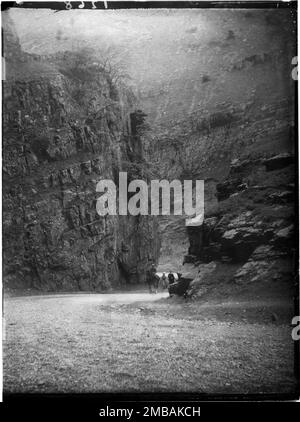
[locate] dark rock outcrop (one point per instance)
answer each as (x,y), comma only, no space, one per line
(252,228)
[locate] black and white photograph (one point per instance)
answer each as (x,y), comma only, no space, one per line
(150,200)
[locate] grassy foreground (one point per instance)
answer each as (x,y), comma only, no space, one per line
(131,342)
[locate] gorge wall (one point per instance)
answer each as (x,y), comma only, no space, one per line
(65,127)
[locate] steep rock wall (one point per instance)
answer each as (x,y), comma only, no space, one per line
(62,132)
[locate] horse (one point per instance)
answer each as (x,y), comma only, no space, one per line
(165,283)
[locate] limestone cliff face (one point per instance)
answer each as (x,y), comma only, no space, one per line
(65,127)
(249,237)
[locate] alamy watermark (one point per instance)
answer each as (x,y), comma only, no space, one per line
(159,197)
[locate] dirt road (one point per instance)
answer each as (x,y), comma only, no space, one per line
(137,342)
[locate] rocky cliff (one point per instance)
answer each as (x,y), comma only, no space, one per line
(251,228)
(244,120)
(66,125)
